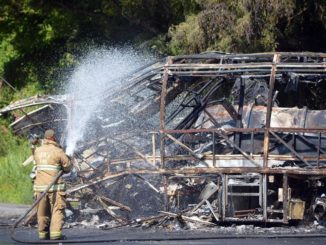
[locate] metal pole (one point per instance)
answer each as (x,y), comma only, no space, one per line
(260,190)
(6,82)
(265,197)
(224,195)
(285,198)
(165,78)
(318,150)
(154,148)
(237,137)
(214,157)
(252,143)
(276,59)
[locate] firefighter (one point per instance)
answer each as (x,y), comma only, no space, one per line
(50,159)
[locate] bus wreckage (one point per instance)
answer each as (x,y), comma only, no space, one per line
(205,138)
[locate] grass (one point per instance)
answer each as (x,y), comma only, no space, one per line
(15,183)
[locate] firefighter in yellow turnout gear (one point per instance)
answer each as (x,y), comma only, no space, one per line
(50,159)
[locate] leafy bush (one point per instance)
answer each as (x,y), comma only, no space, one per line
(252,26)
(15,184)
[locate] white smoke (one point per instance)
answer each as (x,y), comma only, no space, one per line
(101,70)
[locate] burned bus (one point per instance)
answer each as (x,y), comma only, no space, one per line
(224,137)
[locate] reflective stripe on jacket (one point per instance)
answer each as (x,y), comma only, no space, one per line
(46,167)
(50,159)
(56,187)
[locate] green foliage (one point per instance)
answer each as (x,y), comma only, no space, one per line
(7,50)
(252,26)
(158,45)
(41,40)
(157,16)
(15,184)
(187,37)
(6,95)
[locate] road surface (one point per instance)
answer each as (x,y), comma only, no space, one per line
(136,235)
(125,234)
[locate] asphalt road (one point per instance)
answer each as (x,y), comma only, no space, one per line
(128,235)
(8,211)
(122,235)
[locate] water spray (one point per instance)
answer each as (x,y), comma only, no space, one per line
(99,73)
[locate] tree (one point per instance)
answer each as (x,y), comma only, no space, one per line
(252,26)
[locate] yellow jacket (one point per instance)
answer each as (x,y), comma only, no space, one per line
(50,159)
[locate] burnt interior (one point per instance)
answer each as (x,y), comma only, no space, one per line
(224,158)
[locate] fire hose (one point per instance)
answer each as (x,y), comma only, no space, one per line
(22,217)
(158,239)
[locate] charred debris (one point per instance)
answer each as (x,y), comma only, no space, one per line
(205,139)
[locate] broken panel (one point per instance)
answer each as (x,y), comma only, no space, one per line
(202,138)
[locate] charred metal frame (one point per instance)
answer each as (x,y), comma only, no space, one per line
(223,67)
(274,66)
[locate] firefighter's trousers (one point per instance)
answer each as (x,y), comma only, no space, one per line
(50,214)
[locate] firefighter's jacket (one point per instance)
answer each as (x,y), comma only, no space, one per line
(50,159)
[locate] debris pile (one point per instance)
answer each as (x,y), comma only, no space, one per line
(197,141)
